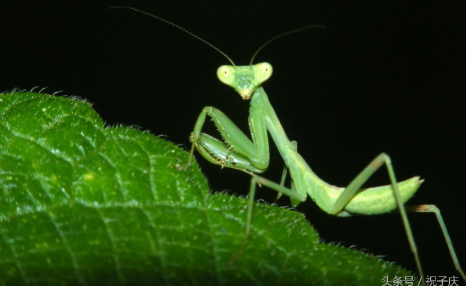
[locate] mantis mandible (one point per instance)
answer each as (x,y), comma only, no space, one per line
(238,151)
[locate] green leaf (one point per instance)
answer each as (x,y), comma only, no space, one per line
(81,204)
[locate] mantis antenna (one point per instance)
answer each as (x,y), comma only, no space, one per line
(282,35)
(176,26)
(209,44)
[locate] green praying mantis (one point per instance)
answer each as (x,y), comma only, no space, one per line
(238,151)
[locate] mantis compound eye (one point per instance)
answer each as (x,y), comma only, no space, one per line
(226,74)
(262,72)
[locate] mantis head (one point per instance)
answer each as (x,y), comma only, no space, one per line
(245,79)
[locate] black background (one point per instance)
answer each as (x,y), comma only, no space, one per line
(383,76)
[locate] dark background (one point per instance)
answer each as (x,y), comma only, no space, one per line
(383,76)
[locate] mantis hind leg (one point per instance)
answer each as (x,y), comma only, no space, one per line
(355,185)
(443,227)
(351,190)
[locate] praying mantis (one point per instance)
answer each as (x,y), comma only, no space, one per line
(237,151)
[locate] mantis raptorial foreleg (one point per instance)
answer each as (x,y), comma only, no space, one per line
(249,156)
